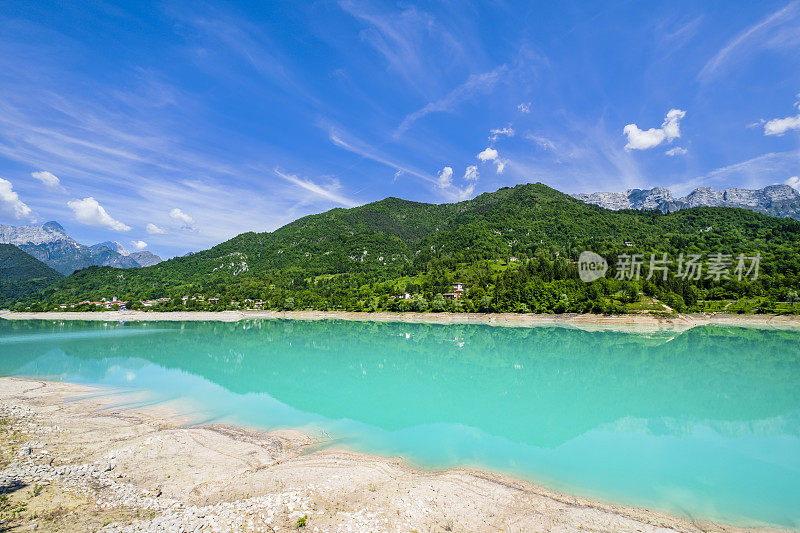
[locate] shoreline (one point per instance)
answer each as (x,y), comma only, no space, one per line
(583,321)
(144,469)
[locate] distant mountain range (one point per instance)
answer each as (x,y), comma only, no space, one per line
(775,200)
(50,244)
(142,258)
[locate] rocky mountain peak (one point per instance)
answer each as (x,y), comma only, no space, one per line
(781,193)
(34,235)
(50,244)
(54,227)
(775,200)
(111,245)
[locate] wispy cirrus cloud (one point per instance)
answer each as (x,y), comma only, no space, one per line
(226,36)
(778,30)
(476,84)
(398,36)
(329,192)
(418,47)
(754,172)
(133,144)
(541,141)
(588,152)
(441,183)
(356,146)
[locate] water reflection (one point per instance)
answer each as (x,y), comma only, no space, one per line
(658,419)
(541,385)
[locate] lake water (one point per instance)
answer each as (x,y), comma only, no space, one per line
(704,423)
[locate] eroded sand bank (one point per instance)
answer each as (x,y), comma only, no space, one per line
(78,463)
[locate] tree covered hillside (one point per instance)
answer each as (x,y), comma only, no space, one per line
(523,239)
(22,274)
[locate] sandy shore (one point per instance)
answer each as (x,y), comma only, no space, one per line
(585,321)
(71,461)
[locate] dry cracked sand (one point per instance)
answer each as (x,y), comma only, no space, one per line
(72,461)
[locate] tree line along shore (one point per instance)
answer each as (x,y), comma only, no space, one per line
(517,250)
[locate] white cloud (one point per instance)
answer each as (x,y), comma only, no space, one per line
(139,245)
(328,193)
(490,154)
(524,107)
(455,192)
(779,126)
(671,125)
(471,174)
(10,201)
(645,139)
(180,216)
(49,179)
(445,178)
(676,151)
(794,182)
(496,133)
(152,229)
(91,213)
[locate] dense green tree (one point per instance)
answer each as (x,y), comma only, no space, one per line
(515,250)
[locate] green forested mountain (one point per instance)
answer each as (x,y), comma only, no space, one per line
(22,274)
(514,249)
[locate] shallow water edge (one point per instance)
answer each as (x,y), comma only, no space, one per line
(276,476)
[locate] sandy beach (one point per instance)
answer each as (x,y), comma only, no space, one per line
(72,461)
(584,321)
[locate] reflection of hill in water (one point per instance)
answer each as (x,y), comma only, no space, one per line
(788,424)
(542,385)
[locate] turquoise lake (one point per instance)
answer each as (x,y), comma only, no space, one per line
(703,423)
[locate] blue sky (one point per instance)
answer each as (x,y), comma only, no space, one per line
(182,124)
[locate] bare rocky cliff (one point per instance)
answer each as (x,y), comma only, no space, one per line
(775,200)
